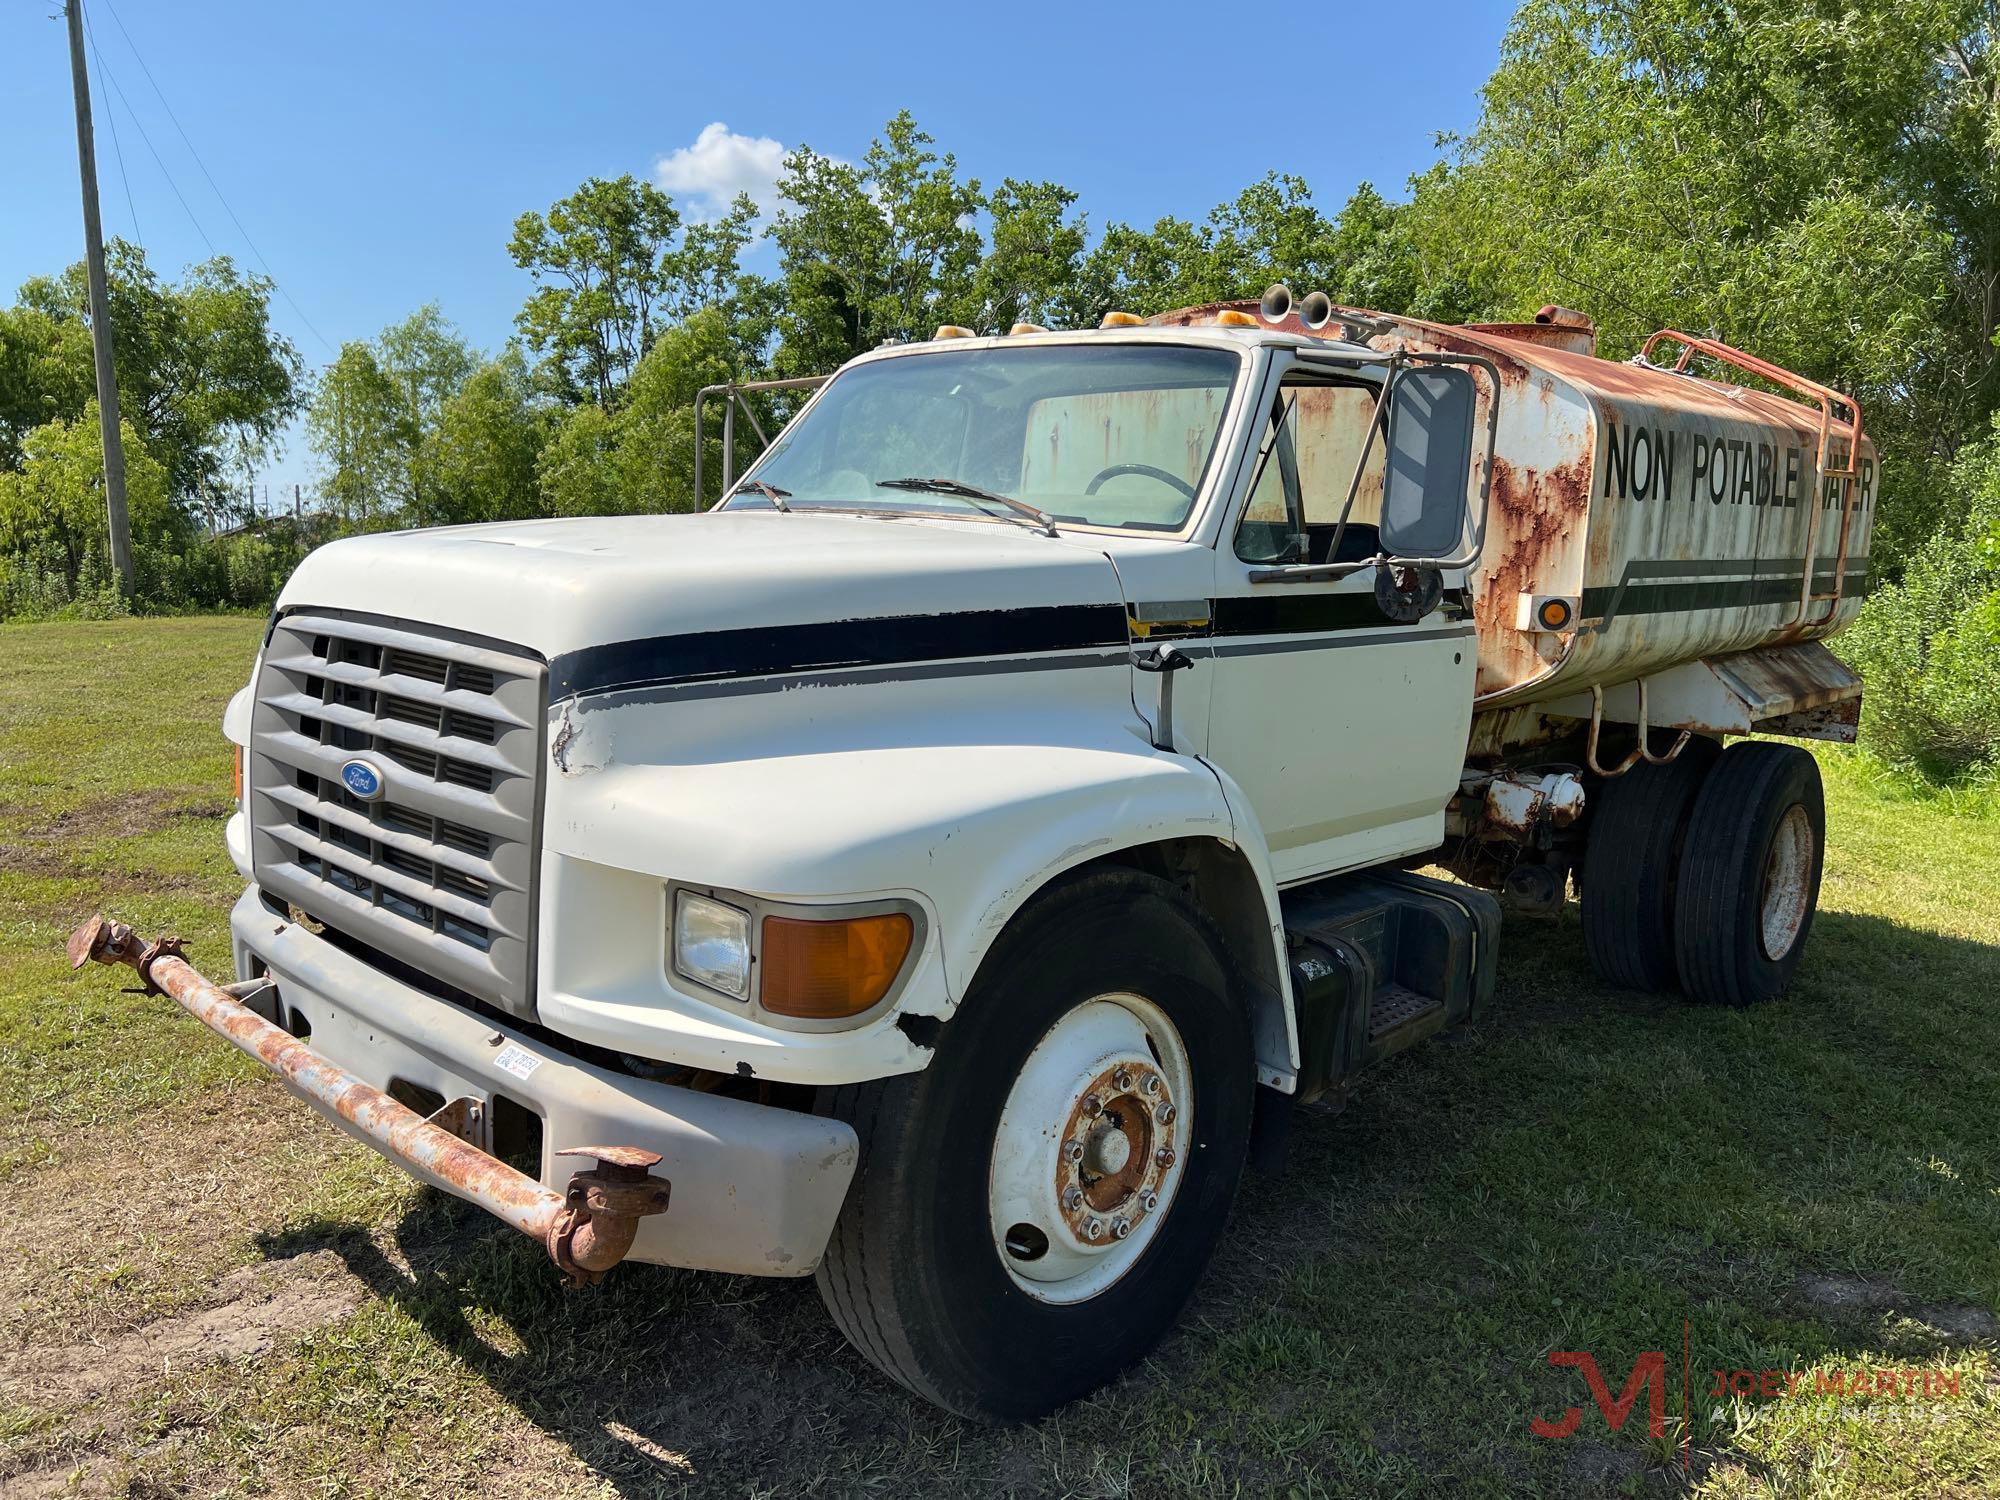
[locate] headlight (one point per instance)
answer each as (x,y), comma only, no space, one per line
(711,943)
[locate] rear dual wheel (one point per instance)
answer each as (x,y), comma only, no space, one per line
(1750,872)
(1704,872)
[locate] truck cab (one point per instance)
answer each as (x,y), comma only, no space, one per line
(947,852)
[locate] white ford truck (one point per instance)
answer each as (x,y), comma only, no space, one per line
(934,867)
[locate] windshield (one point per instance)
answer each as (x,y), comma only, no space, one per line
(1110,435)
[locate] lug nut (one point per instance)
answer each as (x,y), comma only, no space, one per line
(1073,1199)
(1149,1201)
(1122,1080)
(1093,1229)
(1073,1151)
(1164,1156)
(1092,1105)
(1120,1229)
(1152,1083)
(1164,1113)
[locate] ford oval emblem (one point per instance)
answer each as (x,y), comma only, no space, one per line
(361,779)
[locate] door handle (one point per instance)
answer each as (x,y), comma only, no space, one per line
(1163,660)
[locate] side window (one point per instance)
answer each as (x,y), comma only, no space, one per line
(1323,430)
(1266,533)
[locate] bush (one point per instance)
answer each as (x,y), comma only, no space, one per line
(1928,647)
(35,585)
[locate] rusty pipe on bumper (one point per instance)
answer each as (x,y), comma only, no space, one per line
(587,1230)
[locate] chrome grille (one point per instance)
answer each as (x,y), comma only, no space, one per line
(438,872)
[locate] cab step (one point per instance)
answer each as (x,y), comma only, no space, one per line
(1395,1007)
(1380,961)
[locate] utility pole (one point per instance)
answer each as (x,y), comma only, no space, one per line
(100,312)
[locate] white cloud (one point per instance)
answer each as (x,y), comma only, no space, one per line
(720,164)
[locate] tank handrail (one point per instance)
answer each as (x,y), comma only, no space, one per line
(1823,396)
(1826,398)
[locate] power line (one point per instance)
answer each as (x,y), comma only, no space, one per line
(116,88)
(161,96)
(117,148)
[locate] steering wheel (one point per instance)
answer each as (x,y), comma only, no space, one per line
(1148,470)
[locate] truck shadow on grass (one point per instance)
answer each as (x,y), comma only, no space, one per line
(1806,1185)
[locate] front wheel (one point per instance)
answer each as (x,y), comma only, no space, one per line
(1033,1209)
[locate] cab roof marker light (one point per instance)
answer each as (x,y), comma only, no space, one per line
(1233,317)
(1122,320)
(1020,328)
(953,331)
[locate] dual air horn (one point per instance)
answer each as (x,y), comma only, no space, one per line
(1316,311)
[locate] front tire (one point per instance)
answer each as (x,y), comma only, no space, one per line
(1033,1209)
(1750,872)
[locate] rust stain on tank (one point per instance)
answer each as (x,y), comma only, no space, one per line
(1535,513)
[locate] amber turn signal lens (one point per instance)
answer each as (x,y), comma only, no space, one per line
(1555,614)
(236,773)
(826,971)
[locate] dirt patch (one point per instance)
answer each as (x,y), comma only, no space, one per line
(134,1219)
(264,1306)
(1845,1296)
(46,846)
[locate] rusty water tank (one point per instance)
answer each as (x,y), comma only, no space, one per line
(1680,514)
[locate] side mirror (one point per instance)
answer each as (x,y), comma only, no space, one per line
(1431,409)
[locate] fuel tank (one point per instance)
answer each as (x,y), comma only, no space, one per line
(1672,516)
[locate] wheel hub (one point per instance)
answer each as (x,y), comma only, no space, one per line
(1089,1147)
(1787,876)
(1117,1170)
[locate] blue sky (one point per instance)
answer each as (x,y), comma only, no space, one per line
(377,155)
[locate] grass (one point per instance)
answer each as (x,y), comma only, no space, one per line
(256,1304)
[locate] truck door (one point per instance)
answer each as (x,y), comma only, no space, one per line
(1338,707)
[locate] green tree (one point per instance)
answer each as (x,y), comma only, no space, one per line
(477,461)
(201,373)
(425,357)
(1813,182)
(614,267)
(52,506)
(1033,269)
(888,249)
(361,426)
(45,373)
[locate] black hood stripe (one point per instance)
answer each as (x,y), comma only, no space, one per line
(777,650)
(900,640)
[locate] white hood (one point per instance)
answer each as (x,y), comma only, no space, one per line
(561,586)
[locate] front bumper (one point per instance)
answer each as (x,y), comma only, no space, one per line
(755,1189)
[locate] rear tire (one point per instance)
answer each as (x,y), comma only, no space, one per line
(1632,867)
(1750,872)
(920,1276)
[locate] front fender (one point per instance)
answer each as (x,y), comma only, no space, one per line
(972,831)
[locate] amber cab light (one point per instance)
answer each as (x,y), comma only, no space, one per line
(827,971)
(236,773)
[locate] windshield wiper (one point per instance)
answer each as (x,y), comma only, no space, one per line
(770,492)
(1035,520)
